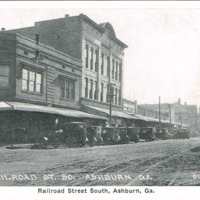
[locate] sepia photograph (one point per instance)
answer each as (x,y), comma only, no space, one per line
(99,100)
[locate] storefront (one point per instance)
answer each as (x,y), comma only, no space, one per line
(118,118)
(23,122)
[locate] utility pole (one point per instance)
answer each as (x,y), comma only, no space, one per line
(181,119)
(159,115)
(110,96)
(170,116)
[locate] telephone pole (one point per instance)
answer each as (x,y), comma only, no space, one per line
(110,97)
(159,114)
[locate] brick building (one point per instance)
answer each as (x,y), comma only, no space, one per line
(147,114)
(187,114)
(38,84)
(130,106)
(167,111)
(182,115)
(42,78)
(101,54)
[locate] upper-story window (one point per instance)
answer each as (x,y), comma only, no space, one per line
(101,92)
(86,87)
(108,93)
(4,76)
(116,71)
(86,55)
(120,72)
(91,89)
(96,60)
(113,69)
(105,65)
(108,66)
(120,98)
(96,91)
(116,95)
(102,63)
(31,81)
(91,58)
(67,89)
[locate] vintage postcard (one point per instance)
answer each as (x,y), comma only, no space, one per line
(99,102)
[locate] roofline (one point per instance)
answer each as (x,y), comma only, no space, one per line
(119,42)
(86,18)
(130,101)
(102,30)
(42,45)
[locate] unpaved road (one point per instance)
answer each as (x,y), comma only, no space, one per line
(157,163)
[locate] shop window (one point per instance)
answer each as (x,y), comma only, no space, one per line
(31,81)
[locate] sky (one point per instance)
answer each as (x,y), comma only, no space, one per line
(163,54)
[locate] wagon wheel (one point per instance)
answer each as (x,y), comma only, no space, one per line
(100,141)
(116,138)
(83,142)
(146,139)
(136,140)
(56,143)
(43,145)
(127,140)
(151,138)
(69,142)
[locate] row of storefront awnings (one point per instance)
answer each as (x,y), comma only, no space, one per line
(127,115)
(18,106)
(105,111)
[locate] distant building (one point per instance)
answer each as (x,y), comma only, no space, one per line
(182,114)
(167,111)
(147,115)
(101,54)
(130,106)
(187,114)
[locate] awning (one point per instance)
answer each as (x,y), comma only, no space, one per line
(18,106)
(147,119)
(114,113)
(5,106)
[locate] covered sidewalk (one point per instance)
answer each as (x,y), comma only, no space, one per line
(25,122)
(105,112)
(19,106)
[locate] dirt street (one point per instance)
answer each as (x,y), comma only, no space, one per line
(157,163)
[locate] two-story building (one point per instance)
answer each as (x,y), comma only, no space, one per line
(101,54)
(187,114)
(142,117)
(38,84)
